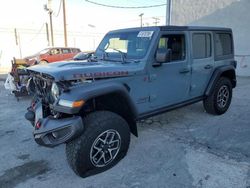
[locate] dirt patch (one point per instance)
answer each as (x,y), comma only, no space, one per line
(22,173)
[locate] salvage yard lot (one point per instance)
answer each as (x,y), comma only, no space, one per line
(181,148)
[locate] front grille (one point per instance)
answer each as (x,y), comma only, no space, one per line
(42,88)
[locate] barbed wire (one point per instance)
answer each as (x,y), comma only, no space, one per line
(125,7)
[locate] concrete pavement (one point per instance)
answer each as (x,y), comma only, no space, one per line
(182,148)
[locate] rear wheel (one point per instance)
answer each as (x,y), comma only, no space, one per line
(104,143)
(220,99)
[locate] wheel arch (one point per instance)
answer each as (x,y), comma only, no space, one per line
(106,96)
(224,71)
(119,103)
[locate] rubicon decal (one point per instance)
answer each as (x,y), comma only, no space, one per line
(101,74)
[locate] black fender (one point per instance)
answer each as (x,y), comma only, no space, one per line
(93,90)
(227,71)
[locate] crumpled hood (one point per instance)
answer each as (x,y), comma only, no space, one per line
(72,70)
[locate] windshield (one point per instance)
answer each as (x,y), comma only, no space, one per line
(133,45)
(44,51)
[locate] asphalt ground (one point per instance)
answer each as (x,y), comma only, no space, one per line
(182,148)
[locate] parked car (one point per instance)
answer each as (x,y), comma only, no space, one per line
(83,55)
(50,55)
(93,107)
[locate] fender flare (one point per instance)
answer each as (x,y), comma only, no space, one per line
(90,91)
(217,74)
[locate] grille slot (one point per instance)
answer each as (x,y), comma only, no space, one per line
(43,88)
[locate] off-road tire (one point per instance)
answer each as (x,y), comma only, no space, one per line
(78,151)
(211,103)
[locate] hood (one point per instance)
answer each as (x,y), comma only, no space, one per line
(72,70)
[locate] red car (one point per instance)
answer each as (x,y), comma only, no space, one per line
(50,55)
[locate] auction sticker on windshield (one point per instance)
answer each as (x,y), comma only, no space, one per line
(145,34)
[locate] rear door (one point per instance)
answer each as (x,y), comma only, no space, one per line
(66,53)
(202,61)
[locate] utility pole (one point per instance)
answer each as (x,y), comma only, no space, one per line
(65,25)
(50,11)
(18,41)
(168,12)
(140,15)
(47,32)
(51,28)
(16,36)
(157,20)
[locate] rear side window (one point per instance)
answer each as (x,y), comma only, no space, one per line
(201,45)
(75,50)
(66,51)
(223,44)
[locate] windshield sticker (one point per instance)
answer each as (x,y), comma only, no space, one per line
(145,34)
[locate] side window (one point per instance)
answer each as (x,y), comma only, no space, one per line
(201,45)
(75,50)
(223,44)
(55,51)
(66,51)
(175,44)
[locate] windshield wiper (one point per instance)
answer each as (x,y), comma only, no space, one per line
(123,55)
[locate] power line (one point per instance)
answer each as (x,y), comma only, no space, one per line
(59,9)
(128,7)
(40,30)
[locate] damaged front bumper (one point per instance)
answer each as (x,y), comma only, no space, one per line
(50,131)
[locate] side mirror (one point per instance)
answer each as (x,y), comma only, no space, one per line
(163,55)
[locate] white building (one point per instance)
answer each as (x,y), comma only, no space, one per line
(222,13)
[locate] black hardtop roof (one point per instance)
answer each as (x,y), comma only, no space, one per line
(194,28)
(177,28)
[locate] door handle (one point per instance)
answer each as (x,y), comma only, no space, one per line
(184,70)
(208,67)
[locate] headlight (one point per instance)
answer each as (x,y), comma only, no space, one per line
(71,104)
(55,92)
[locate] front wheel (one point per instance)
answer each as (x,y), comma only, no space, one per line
(220,99)
(104,143)
(43,62)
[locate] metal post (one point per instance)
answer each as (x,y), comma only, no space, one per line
(51,28)
(65,24)
(168,12)
(16,36)
(47,32)
(18,41)
(19,44)
(141,17)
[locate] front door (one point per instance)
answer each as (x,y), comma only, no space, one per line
(170,82)
(203,62)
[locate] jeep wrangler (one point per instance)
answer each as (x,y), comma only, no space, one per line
(92,106)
